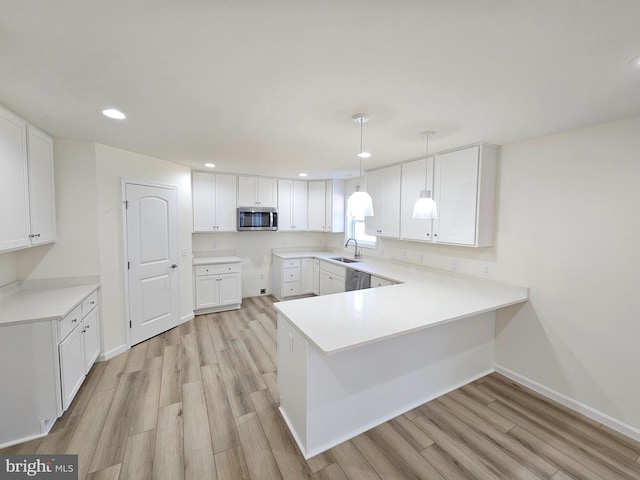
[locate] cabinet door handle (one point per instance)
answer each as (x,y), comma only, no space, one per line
(75,320)
(173,265)
(92,302)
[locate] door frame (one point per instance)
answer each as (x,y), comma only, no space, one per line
(125,248)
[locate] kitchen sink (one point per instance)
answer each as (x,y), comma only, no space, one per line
(344,259)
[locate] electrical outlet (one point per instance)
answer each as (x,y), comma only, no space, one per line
(486,270)
(454,265)
(381,252)
(214,245)
(421,258)
(290,343)
(262,276)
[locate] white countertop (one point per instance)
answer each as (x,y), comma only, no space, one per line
(38,304)
(425,298)
(215,260)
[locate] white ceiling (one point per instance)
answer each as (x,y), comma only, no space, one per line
(269,87)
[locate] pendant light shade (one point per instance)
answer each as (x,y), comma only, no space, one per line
(425,206)
(360,203)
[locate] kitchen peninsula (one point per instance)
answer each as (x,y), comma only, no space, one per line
(350,361)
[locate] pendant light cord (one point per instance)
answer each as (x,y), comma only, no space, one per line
(360,155)
(426,161)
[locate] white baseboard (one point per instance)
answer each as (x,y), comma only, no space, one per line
(103,357)
(569,402)
(187,317)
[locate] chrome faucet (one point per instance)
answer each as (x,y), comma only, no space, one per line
(356,254)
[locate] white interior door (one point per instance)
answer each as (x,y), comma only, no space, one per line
(152,248)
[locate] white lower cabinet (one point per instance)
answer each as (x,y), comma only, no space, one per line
(306,277)
(218,287)
(315,281)
(78,334)
(331,278)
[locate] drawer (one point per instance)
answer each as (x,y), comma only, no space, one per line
(216,269)
(291,275)
(291,263)
(291,288)
(89,303)
(68,323)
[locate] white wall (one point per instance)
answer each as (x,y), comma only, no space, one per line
(569,229)
(254,248)
(75,252)
(113,165)
(8,268)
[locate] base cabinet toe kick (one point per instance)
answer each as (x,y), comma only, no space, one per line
(327,399)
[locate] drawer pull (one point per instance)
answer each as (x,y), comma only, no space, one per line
(75,320)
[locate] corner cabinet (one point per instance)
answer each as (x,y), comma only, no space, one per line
(463,183)
(27,195)
(218,287)
(257,192)
(384,187)
(214,202)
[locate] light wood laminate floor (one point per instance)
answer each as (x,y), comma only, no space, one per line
(200,402)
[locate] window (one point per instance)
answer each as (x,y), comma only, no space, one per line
(355,229)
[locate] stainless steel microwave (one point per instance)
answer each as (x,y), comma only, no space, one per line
(257,218)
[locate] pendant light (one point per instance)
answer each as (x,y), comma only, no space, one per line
(359,203)
(425,206)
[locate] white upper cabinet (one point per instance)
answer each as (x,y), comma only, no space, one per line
(334,206)
(214,202)
(413,182)
(292,205)
(14,188)
(384,187)
(326,205)
(257,192)
(27,199)
(464,190)
(42,198)
(317,205)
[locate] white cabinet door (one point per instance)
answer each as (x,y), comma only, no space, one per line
(316,206)
(330,282)
(285,205)
(299,206)
(42,199)
(307,276)
(14,203)
(334,206)
(315,281)
(207,291)
(384,187)
(225,203)
(247,187)
(203,193)
(91,339)
(230,289)
(464,187)
(267,192)
(413,182)
(72,365)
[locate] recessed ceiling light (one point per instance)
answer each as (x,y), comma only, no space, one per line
(635,63)
(302,174)
(210,165)
(364,154)
(113,113)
